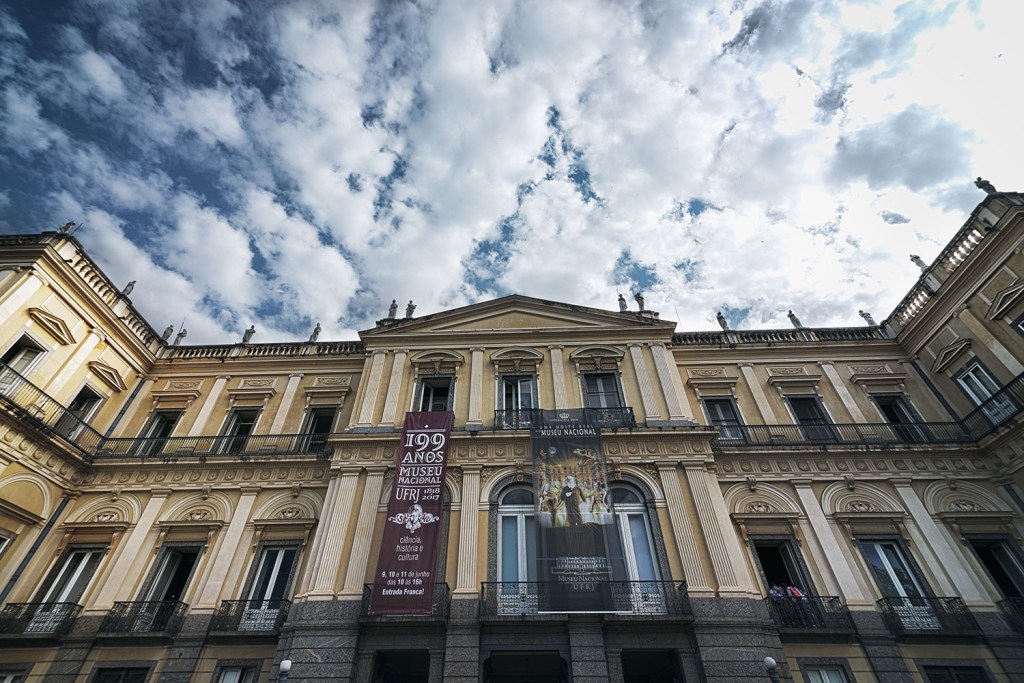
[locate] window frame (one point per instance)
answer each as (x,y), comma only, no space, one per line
(806,664)
(971,366)
(57,569)
(1012,550)
(924,586)
(724,433)
(150,584)
(809,586)
(26,340)
(616,377)
(423,381)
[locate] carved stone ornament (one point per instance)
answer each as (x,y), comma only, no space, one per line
(191,384)
(868,369)
(859,506)
(708,372)
(787,371)
(290,513)
(760,507)
(107,516)
(333,381)
(964,506)
(257,382)
(197,516)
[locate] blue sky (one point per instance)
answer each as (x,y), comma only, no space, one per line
(283,164)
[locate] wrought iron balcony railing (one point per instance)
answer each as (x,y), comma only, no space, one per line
(439,607)
(144,617)
(1013,608)
(845,434)
(264,616)
(527,418)
(41,410)
(908,616)
(639,598)
(999,409)
(819,613)
(239,447)
(38,617)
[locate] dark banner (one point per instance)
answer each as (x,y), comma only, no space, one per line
(579,552)
(405,579)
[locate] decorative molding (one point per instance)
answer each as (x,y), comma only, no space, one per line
(710,379)
(1005,299)
(760,507)
(860,506)
(333,382)
(437,362)
(948,354)
(184,384)
(108,375)
(57,328)
(517,359)
(597,358)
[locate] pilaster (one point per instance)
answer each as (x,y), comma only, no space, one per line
(696,581)
(840,563)
(227,548)
(328,559)
(286,403)
(476,390)
(726,558)
(394,389)
(558,376)
(760,399)
(359,556)
(643,378)
(211,399)
(671,383)
(369,399)
(841,389)
(466,581)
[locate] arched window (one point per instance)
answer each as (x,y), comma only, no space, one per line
(634,534)
(517,536)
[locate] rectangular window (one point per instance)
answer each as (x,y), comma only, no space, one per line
(829,674)
(903,591)
(1002,563)
(814,422)
(80,411)
(173,574)
(11,678)
(601,390)
(722,413)
(896,410)
(316,427)
(436,393)
(154,435)
(22,356)
(955,674)
(239,426)
(68,581)
(980,387)
(517,400)
(132,674)
(269,588)
(237,674)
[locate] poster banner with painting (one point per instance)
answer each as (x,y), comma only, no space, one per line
(405,579)
(579,555)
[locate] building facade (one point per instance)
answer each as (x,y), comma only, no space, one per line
(847,501)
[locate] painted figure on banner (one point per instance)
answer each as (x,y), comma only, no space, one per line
(572,488)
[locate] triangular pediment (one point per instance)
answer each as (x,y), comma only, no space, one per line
(945,357)
(1005,299)
(108,374)
(512,314)
(57,328)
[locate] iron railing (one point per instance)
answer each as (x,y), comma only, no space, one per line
(825,613)
(846,434)
(242,447)
(440,605)
(144,617)
(38,617)
(908,616)
(639,598)
(38,408)
(264,616)
(528,418)
(1013,609)
(996,411)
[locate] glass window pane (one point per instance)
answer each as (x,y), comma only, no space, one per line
(885,580)
(531,547)
(509,548)
(643,554)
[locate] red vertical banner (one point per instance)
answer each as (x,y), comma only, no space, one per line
(404,583)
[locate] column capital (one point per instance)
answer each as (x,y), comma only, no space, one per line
(477,349)
(553,347)
(745,365)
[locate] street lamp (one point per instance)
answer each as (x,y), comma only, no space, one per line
(772,667)
(284,667)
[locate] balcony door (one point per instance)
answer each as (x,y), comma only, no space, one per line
(980,387)
(644,588)
(316,428)
(814,422)
(518,400)
(64,587)
(897,581)
(517,544)
(897,411)
(157,431)
(722,413)
(269,589)
(240,425)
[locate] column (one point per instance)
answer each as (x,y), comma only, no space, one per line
(466,581)
(558,377)
(17,292)
(763,405)
(286,403)
(726,558)
(476,387)
(121,580)
(211,399)
(948,559)
(336,521)
(643,377)
(372,387)
(355,577)
(304,582)
(844,393)
(671,383)
(696,582)
(228,547)
(394,389)
(985,338)
(841,563)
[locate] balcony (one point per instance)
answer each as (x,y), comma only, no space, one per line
(256,446)
(439,606)
(144,617)
(880,434)
(922,616)
(607,418)
(637,598)
(260,616)
(51,618)
(1013,609)
(999,409)
(39,409)
(818,614)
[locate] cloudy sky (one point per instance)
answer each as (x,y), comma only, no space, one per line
(282,164)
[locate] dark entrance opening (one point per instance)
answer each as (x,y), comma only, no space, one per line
(515,667)
(650,666)
(406,666)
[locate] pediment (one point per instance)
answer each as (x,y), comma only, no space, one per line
(516,314)
(945,357)
(1006,298)
(108,375)
(57,328)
